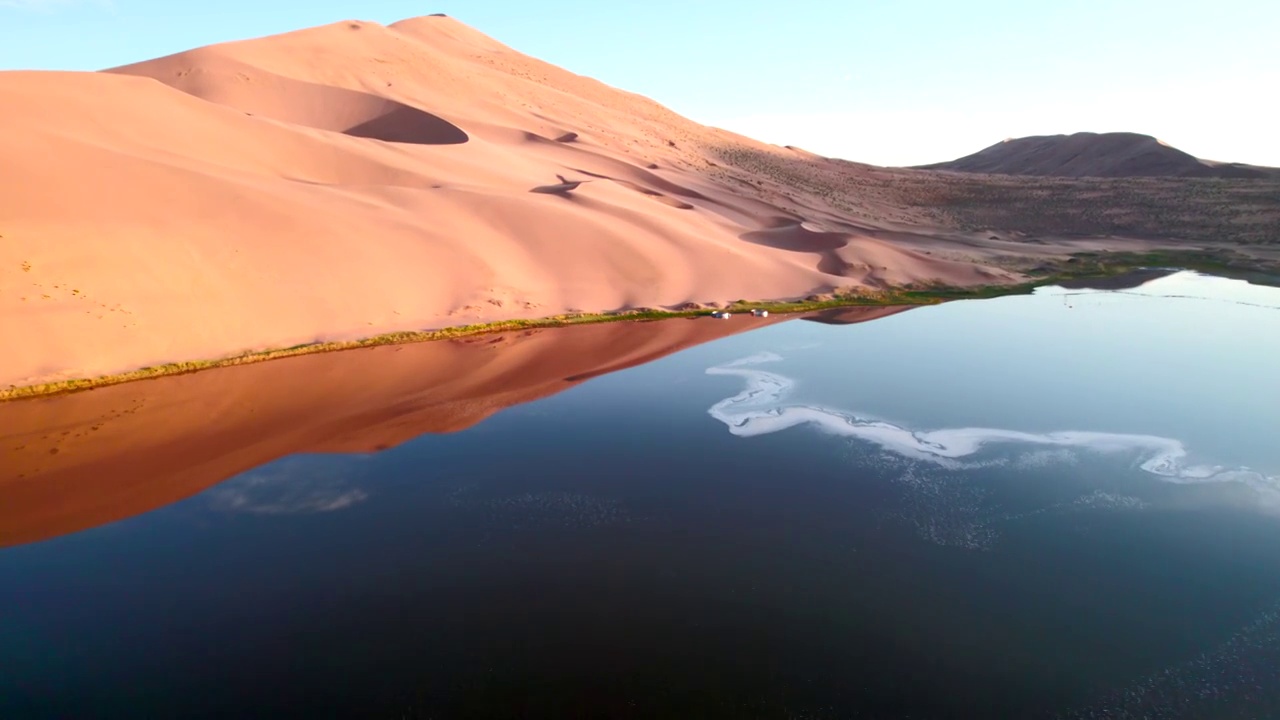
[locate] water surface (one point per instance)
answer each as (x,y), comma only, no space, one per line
(1063,505)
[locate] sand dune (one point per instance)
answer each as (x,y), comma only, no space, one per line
(225,81)
(81,460)
(1088,154)
(353,179)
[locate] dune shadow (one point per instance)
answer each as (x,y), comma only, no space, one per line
(562,188)
(654,180)
(789,235)
(637,187)
(261,93)
(404,124)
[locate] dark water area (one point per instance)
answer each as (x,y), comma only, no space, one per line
(1063,505)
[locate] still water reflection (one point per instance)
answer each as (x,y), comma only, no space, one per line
(1062,505)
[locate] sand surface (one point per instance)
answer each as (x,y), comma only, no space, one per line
(353,179)
(84,459)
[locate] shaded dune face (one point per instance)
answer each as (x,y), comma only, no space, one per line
(394,122)
(869,261)
(77,461)
(649,191)
(797,238)
(261,93)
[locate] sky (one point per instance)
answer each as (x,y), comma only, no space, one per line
(889,82)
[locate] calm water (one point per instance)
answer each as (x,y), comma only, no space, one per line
(1064,505)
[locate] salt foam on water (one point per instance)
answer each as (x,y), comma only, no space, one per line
(760,408)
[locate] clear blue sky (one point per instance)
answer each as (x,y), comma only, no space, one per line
(889,82)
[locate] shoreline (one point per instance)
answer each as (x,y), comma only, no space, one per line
(780,307)
(1076,267)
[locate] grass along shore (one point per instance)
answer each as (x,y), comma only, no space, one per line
(1076,267)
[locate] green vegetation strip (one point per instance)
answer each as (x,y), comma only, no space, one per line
(1224,262)
(1079,266)
(903,297)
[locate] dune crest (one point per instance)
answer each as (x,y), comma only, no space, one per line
(352,179)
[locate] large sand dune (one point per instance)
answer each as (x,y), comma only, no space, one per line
(354,179)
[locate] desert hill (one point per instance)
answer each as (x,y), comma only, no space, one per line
(353,179)
(1086,154)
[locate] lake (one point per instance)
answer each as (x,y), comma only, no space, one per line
(1057,505)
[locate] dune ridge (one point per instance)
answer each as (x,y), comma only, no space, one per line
(353,179)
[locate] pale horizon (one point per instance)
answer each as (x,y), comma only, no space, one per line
(899,86)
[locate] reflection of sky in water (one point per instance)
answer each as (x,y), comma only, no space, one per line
(296,485)
(1175,377)
(1153,399)
(1188,356)
(762,407)
(1200,371)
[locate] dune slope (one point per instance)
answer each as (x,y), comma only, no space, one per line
(353,179)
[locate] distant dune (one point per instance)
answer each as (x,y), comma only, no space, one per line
(1095,155)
